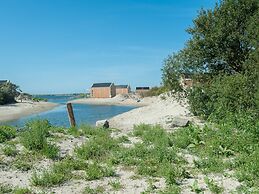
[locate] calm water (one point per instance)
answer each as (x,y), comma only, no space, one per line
(83,113)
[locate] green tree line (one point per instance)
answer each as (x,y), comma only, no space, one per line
(8,92)
(222,58)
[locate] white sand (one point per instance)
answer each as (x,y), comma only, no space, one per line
(152,110)
(158,111)
(122,100)
(21,109)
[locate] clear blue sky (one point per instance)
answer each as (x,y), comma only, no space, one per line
(63,46)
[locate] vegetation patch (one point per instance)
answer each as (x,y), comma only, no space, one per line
(34,138)
(10,150)
(7,133)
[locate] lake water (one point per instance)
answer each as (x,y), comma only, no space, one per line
(84,114)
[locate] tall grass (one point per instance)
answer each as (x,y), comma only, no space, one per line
(7,133)
(35,138)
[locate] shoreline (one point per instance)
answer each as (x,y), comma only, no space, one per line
(18,110)
(116,101)
(156,110)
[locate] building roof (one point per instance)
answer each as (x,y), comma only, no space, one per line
(3,81)
(100,85)
(122,86)
(142,88)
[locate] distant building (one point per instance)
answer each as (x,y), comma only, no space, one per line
(142,90)
(186,81)
(122,89)
(4,81)
(103,90)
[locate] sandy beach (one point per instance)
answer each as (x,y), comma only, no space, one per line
(121,100)
(15,111)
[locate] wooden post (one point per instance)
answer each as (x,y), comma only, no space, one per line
(71,115)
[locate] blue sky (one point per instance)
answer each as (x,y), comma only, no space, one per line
(63,46)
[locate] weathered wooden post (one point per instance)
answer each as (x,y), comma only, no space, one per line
(71,115)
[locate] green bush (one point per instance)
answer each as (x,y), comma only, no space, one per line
(224,95)
(35,138)
(7,133)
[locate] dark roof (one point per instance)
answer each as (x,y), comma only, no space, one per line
(142,88)
(3,81)
(99,85)
(122,86)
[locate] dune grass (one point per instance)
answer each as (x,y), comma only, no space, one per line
(159,154)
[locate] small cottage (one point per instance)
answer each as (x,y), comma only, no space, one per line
(4,81)
(122,89)
(186,81)
(142,90)
(103,90)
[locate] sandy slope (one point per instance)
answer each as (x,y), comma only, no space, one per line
(18,110)
(158,111)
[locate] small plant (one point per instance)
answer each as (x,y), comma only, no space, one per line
(116,185)
(97,190)
(214,188)
(99,147)
(51,151)
(10,150)
(7,133)
(58,174)
(24,161)
(22,191)
(74,131)
(195,187)
(4,188)
(171,189)
(123,139)
(95,171)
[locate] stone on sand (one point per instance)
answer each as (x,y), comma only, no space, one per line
(180,122)
(102,123)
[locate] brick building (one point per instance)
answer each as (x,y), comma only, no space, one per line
(103,90)
(122,89)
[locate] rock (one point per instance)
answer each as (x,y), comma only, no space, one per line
(102,123)
(180,122)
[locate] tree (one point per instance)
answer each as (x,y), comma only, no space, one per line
(8,92)
(221,38)
(222,56)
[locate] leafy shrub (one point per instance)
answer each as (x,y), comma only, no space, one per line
(223,96)
(7,133)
